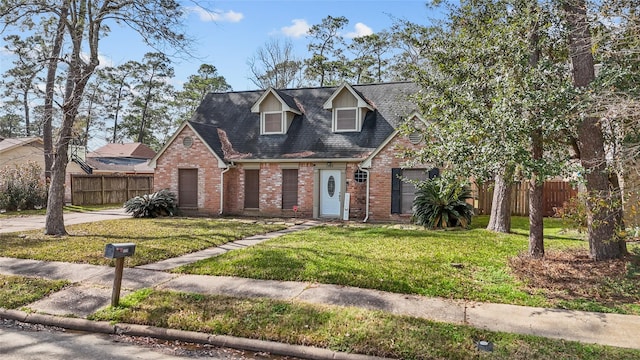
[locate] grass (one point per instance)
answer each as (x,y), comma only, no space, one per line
(16,291)
(471,265)
(342,329)
(155,239)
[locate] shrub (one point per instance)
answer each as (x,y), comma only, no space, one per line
(574,214)
(441,203)
(160,203)
(22,187)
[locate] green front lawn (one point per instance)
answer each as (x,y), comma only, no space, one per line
(16,291)
(472,265)
(155,239)
(350,330)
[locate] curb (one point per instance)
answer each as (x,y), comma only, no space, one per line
(238,343)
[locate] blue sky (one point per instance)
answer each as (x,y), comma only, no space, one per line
(229,35)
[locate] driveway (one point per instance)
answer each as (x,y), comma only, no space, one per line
(35,222)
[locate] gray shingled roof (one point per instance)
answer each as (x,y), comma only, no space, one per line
(226,123)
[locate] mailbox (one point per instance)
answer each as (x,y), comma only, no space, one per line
(115,251)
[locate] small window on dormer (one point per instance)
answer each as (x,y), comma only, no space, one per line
(348,109)
(272,123)
(346,119)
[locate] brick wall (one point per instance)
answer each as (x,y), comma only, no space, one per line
(380,179)
(358,191)
(197,156)
(270,190)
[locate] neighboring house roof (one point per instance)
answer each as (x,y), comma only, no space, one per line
(225,121)
(122,165)
(130,150)
(12,143)
(123,158)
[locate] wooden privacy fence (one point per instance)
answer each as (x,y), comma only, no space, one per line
(108,189)
(554,195)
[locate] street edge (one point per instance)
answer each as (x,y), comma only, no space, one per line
(238,343)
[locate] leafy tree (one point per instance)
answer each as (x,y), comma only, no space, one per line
(407,40)
(148,108)
(274,65)
(20,80)
(116,89)
(603,206)
(84,23)
(90,115)
(370,57)
(492,110)
(10,125)
(196,88)
(326,60)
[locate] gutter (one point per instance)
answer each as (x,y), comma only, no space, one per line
(366,207)
(222,188)
(298,160)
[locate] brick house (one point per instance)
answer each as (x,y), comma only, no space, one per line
(328,152)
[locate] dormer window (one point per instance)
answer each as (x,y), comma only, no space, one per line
(346,119)
(277,111)
(271,123)
(348,109)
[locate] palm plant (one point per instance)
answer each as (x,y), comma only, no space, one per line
(160,203)
(441,203)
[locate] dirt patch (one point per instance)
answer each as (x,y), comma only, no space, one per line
(572,275)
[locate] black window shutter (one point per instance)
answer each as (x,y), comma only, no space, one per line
(395,190)
(434,173)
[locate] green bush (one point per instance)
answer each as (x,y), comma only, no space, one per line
(574,214)
(161,203)
(441,203)
(22,187)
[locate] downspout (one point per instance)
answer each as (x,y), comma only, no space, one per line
(366,206)
(222,188)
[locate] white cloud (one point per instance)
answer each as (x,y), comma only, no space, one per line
(104,60)
(217,15)
(299,28)
(359,31)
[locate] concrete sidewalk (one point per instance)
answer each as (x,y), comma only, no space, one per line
(92,291)
(35,222)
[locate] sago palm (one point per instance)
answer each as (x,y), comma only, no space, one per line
(440,204)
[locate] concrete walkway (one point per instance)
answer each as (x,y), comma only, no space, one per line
(169,264)
(92,291)
(35,222)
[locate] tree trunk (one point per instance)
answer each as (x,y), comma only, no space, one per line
(77,77)
(27,120)
(54,224)
(536,225)
(500,218)
(536,184)
(52,68)
(601,219)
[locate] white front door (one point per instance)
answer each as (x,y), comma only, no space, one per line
(330,187)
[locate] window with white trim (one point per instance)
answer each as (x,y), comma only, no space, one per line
(346,119)
(272,122)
